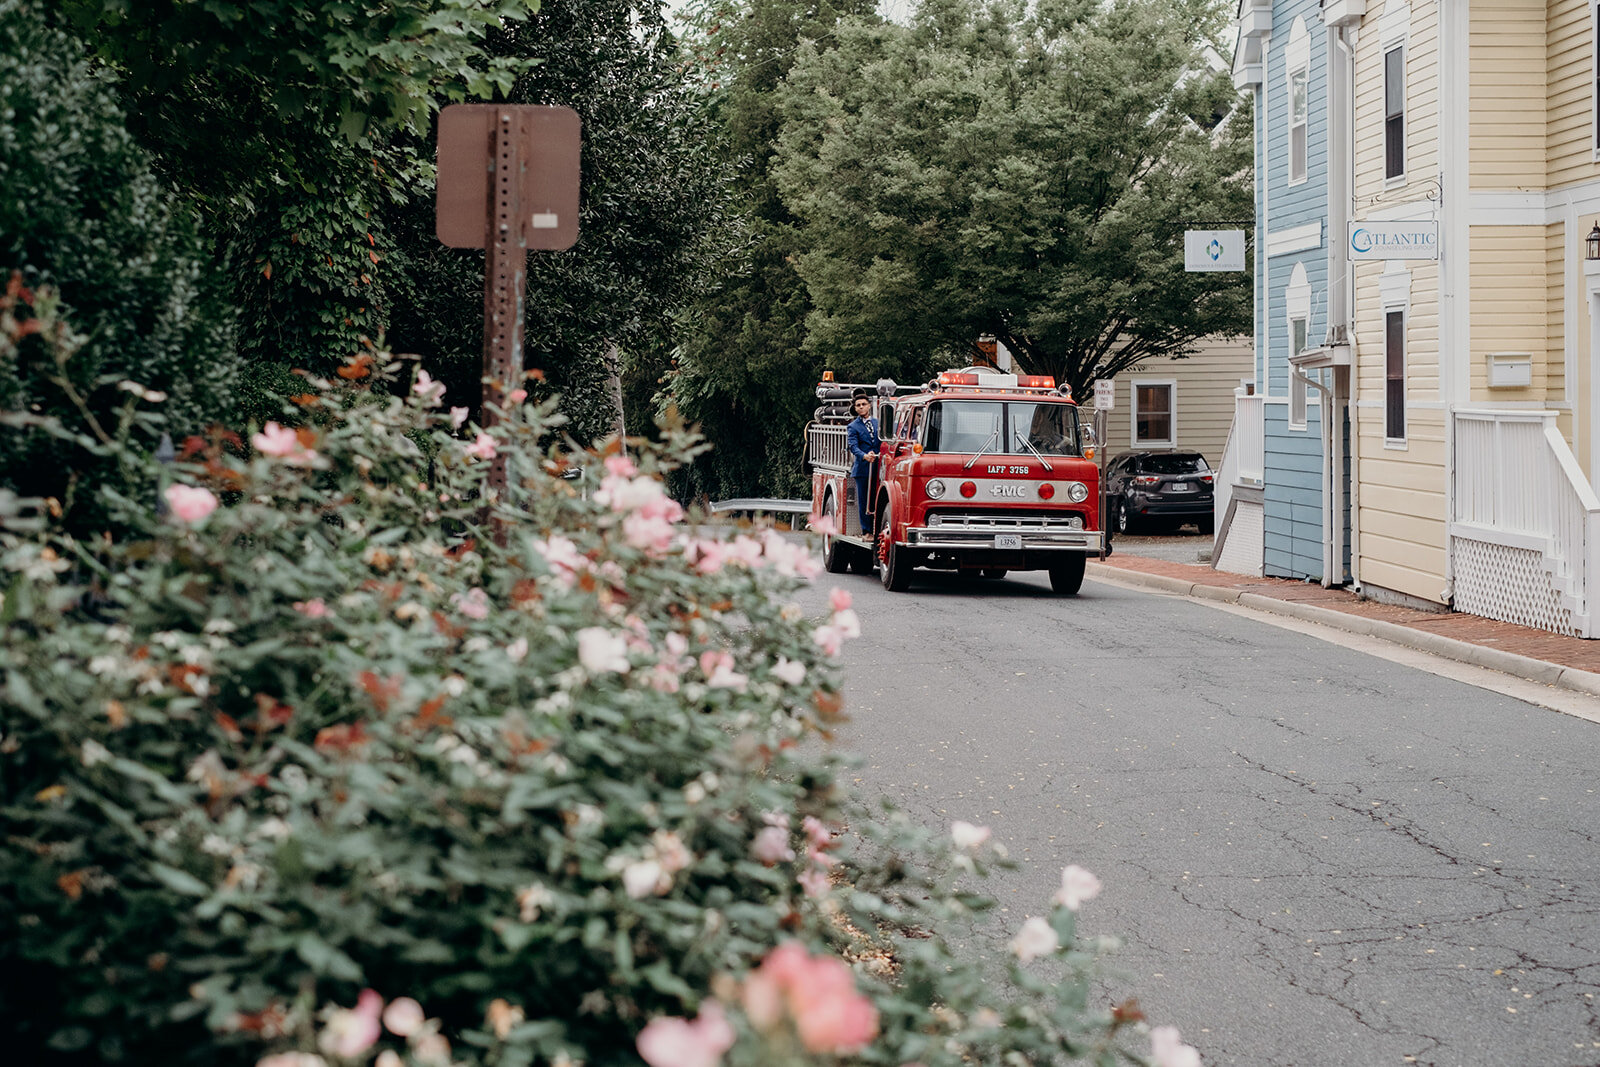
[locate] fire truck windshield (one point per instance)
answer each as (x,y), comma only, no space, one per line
(1050,429)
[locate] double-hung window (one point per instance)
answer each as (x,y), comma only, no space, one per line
(1298,112)
(1153,414)
(1394,363)
(1394,112)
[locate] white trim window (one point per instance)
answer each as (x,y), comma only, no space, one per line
(1394,375)
(1297,57)
(1298,112)
(1155,413)
(1394,113)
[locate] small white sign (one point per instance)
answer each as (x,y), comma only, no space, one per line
(546,220)
(1105,394)
(1213,250)
(1394,240)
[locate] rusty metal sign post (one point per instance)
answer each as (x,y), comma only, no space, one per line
(508,182)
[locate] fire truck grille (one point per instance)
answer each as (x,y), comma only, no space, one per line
(988,530)
(978,522)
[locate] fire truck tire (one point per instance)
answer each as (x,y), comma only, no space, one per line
(894,568)
(1067,578)
(861,562)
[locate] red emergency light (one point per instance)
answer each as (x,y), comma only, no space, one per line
(1036,381)
(953,378)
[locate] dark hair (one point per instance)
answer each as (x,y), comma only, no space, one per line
(860,394)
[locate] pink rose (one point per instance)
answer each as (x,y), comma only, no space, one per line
(429,390)
(838,599)
(403,1016)
(1077,886)
(1036,938)
(282,443)
(672,1042)
(771,846)
(517,396)
(474,605)
(814,882)
(482,447)
(1168,1050)
(314,608)
(189,503)
(350,1032)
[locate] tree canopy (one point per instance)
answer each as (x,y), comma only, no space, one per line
(1024,170)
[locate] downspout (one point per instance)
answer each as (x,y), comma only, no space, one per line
(1344,40)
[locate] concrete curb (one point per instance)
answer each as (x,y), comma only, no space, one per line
(1518,666)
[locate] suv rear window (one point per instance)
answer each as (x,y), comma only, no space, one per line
(1177,463)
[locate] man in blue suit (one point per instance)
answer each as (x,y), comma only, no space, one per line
(861,437)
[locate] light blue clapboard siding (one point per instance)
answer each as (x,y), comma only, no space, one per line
(1293,529)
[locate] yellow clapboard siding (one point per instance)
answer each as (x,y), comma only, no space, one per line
(1390,498)
(1506,139)
(1507,265)
(1422,584)
(1569,73)
(1555,313)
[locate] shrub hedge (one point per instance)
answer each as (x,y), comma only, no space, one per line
(351,754)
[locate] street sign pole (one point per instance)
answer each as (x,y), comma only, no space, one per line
(508,182)
(1100,454)
(505,273)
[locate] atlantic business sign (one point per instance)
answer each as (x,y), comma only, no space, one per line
(1394,240)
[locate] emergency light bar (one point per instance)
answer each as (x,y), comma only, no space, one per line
(974,379)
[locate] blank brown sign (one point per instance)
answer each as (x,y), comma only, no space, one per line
(547,194)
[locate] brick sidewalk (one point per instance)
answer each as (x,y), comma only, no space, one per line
(1507,637)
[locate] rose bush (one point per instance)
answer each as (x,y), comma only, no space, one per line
(349,756)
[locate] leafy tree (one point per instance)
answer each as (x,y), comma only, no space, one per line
(277,121)
(743,372)
(85,215)
(1021,170)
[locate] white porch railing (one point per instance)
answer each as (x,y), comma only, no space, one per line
(1243,461)
(1243,457)
(1524,524)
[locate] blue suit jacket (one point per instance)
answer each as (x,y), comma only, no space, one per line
(861,438)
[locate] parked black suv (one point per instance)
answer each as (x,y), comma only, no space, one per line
(1156,489)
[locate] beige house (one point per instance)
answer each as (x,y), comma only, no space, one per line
(1182,404)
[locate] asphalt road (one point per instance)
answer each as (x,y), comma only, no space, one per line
(1315,857)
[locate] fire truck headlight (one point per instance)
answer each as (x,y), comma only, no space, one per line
(1077,492)
(935,488)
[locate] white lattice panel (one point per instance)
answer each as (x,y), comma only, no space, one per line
(1242,552)
(1509,584)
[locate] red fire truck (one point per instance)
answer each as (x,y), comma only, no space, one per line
(980,472)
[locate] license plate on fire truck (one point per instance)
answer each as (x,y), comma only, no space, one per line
(1008,541)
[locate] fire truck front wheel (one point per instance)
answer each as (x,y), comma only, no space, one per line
(1066,577)
(894,564)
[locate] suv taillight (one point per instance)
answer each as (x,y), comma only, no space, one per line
(1147,479)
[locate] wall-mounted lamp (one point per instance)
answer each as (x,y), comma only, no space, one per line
(1591,244)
